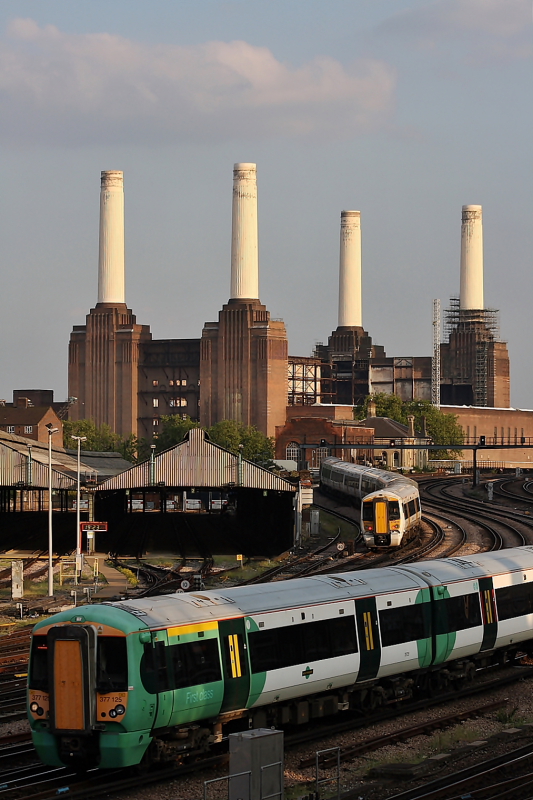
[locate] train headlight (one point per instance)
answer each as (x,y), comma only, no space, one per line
(113,713)
(120,710)
(34,707)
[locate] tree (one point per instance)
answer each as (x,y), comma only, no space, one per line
(172,430)
(97,437)
(256,446)
(441,428)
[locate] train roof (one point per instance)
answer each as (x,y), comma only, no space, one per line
(384,476)
(191,607)
(477,565)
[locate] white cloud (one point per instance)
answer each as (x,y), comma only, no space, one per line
(72,89)
(490,28)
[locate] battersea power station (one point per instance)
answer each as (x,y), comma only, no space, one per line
(240,368)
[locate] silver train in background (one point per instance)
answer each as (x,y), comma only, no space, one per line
(390,502)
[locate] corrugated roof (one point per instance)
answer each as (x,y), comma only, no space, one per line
(198,462)
(14,457)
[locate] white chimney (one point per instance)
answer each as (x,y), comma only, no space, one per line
(472,258)
(111,255)
(350,293)
(244,252)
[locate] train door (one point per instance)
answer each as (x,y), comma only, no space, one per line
(235,661)
(369,642)
(381,517)
(488,610)
(164,697)
(72,667)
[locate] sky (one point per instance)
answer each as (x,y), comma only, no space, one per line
(403,109)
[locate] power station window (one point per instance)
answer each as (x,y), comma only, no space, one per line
(111,664)
(38,677)
(155,402)
(155,383)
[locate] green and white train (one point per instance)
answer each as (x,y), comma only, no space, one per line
(151,679)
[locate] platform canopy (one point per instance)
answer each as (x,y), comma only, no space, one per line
(198,462)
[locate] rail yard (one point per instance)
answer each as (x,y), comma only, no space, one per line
(454,525)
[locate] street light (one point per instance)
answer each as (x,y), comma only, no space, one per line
(51,431)
(79,439)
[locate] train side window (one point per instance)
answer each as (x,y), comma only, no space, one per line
(315,640)
(412,508)
(458,613)
(394,509)
(417,504)
(296,644)
(111,664)
(204,661)
(264,651)
(405,511)
(38,678)
(405,624)
(514,601)
(343,638)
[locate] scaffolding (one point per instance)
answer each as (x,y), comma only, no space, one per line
(435,361)
(472,332)
(485,321)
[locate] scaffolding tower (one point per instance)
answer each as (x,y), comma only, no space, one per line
(435,361)
(473,331)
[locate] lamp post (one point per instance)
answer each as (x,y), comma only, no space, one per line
(79,439)
(51,431)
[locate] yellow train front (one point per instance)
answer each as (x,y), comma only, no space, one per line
(390,501)
(390,519)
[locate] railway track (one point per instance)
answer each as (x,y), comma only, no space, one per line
(497,523)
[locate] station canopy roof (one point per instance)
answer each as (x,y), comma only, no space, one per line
(16,468)
(198,462)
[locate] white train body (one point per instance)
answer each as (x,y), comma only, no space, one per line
(390,502)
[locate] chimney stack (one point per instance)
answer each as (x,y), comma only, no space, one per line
(111,254)
(350,294)
(244,251)
(471,295)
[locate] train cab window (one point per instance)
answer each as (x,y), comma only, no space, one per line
(368,511)
(111,664)
(38,677)
(514,601)
(154,671)
(405,624)
(458,613)
(394,509)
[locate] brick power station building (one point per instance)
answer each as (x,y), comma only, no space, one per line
(240,368)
